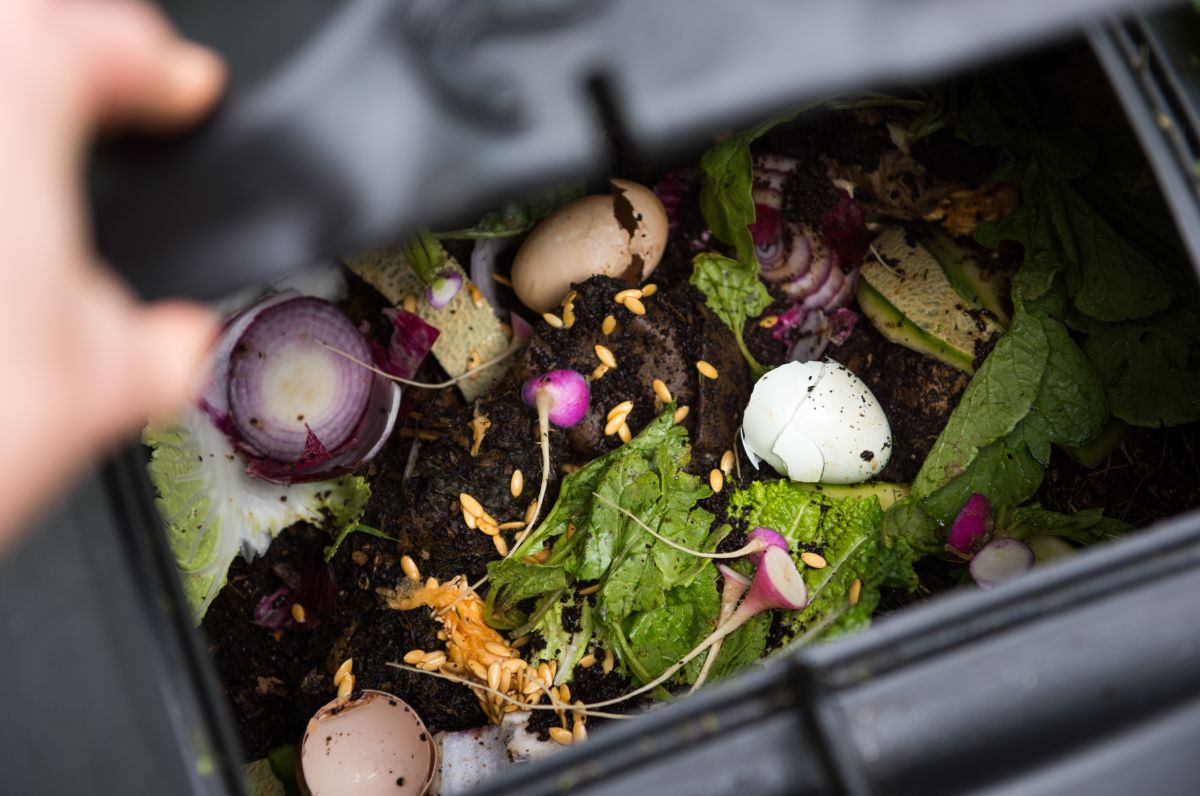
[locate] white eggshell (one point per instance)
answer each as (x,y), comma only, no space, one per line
(774,400)
(847,424)
(817,421)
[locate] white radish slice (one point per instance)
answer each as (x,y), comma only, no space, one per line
(1000,561)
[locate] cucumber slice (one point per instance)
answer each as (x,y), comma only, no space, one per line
(969,275)
(910,301)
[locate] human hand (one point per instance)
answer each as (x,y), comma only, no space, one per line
(85,363)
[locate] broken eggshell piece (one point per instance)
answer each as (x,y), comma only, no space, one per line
(620,234)
(372,744)
(816,422)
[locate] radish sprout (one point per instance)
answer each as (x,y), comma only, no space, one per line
(584,709)
(752,548)
(561,397)
(777,584)
(503,355)
(735,586)
(442,290)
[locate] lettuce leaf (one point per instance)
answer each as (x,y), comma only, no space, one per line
(652,599)
(848,534)
(734,294)
(213,510)
(727,177)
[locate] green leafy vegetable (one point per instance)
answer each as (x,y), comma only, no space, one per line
(357,527)
(848,533)
(654,602)
(213,510)
(727,179)
(1085,527)
(734,294)
(425,256)
(516,217)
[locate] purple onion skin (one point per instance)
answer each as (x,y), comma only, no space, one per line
(411,341)
(815,264)
(274,611)
(972,526)
(769,537)
(1000,561)
(569,395)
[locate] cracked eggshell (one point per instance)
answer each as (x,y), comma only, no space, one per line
(372,744)
(817,421)
(621,234)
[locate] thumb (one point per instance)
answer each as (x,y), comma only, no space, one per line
(173,340)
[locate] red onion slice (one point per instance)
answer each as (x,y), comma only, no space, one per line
(411,341)
(284,385)
(215,400)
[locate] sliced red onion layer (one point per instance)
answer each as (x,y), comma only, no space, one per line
(1000,561)
(671,190)
(567,391)
(214,402)
(442,290)
(973,524)
(284,385)
(298,410)
(412,340)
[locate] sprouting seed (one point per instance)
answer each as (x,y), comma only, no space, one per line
(552,319)
(298,613)
(681,414)
(561,736)
(517,484)
(469,519)
(599,371)
(476,296)
(409,567)
(578,731)
(623,408)
(661,391)
(568,316)
(493,676)
(813,560)
(569,299)
(716,480)
(767,321)
(496,648)
(489,529)
(605,356)
(343,670)
(706,370)
(609,325)
(623,432)
(727,462)
(346,687)
(470,504)
(413,657)
(500,545)
(409,303)
(587,661)
(613,425)
(610,661)
(649,290)
(624,295)
(635,306)
(529,511)
(855,591)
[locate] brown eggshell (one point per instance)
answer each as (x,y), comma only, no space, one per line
(621,234)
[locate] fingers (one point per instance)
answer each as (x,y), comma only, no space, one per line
(137,70)
(171,368)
